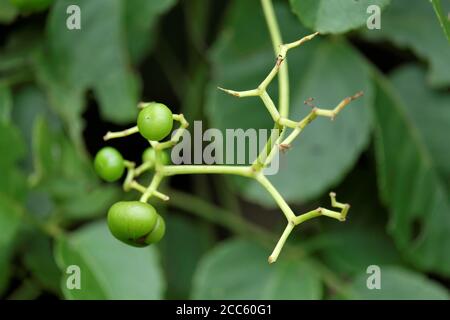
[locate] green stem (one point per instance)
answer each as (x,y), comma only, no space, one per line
(290,216)
(261,160)
(283,76)
(244,171)
(239,225)
(142,168)
(114,135)
(277,41)
(272,24)
(270,106)
(276,251)
(152,187)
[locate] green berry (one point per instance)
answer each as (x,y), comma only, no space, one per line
(158,231)
(149,156)
(135,223)
(109,164)
(155,121)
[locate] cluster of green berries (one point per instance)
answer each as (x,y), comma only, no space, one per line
(133,222)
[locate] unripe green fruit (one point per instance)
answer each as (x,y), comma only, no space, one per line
(109,164)
(158,231)
(135,223)
(155,121)
(149,156)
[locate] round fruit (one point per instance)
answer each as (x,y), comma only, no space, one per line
(158,231)
(109,164)
(135,223)
(155,121)
(149,156)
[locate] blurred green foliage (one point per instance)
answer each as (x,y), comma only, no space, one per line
(387,154)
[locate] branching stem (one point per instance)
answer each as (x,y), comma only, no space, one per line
(273,145)
(114,135)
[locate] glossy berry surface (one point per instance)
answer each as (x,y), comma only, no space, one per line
(109,164)
(155,121)
(135,223)
(149,156)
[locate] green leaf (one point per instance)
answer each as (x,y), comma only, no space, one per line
(63,177)
(194,96)
(109,268)
(12,182)
(40,128)
(40,204)
(88,205)
(10,213)
(408,182)
(442,14)
(46,153)
(11,141)
(413,25)
(65,98)
(197,13)
(38,258)
(327,150)
(28,6)
(56,160)
(54,157)
(77,61)
(183,245)
(5,104)
(141,17)
(429,112)
(239,270)
(399,284)
(28,290)
(350,250)
(20,44)
(335,16)
(7,12)
(12,187)
(67,176)
(25,117)
(74,61)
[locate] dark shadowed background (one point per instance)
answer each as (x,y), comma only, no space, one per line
(387,154)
